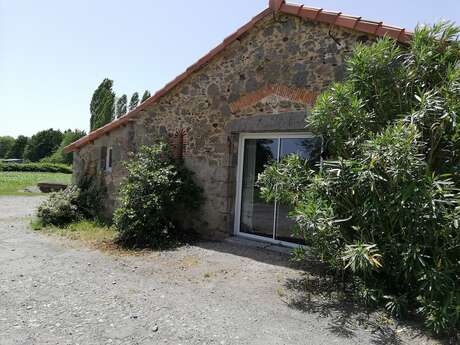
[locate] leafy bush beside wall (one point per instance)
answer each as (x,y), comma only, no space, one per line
(385,205)
(91,198)
(157,190)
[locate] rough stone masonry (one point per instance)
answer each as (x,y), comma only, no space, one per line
(265,81)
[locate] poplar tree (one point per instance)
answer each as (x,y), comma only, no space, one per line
(145,96)
(102,104)
(121,106)
(134,102)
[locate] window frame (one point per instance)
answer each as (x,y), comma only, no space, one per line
(109,159)
(239,180)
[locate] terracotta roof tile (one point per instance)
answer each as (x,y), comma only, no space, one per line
(309,13)
(339,19)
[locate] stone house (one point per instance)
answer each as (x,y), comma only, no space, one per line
(241,105)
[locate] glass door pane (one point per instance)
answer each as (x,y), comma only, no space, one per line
(308,148)
(257,216)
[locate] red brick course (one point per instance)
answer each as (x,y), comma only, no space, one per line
(294,94)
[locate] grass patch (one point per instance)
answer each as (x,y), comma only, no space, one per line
(87,231)
(13,182)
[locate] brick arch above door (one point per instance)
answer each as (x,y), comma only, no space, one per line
(271,92)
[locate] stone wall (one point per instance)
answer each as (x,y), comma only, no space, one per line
(266,81)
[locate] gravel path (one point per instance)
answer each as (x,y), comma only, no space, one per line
(55,291)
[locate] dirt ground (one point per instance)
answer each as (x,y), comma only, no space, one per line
(57,291)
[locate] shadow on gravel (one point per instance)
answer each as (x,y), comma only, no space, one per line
(257,252)
(315,292)
(318,293)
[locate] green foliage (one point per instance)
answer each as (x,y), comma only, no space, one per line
(120,108)
(6,143)
(341,115)
(18,148)
(92,194)
(59,156)
(42,144)
(384,207)
(60,208)
(156,192)
(45,146)
(378,78)
(102,105)
(433,55)
(76,202)
(134,101)
(36,167)
(105,107)
(361,258)
(145,95)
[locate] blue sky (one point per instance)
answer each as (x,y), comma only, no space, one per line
(54,53)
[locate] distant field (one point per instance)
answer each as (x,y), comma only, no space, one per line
(12,183)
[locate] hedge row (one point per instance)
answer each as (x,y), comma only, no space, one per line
(37,167)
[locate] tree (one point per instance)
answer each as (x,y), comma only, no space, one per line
(17,150)
(42,144)
(134,102)
(121,106)
(145,96)
(102,105)
(60,156)
(384,207)
(6,143)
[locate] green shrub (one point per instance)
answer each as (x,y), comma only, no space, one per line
(36,167)
(384,208)
(60,208)
(156,192)
(91,197)
(76,202)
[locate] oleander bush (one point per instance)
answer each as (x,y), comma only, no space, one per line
(36,167)
(383,207)
(157,191)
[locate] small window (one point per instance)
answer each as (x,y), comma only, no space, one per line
(103,165)
(109,159)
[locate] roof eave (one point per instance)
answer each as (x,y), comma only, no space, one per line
(168,87)
(316,14)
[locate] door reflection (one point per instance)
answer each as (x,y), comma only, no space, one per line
(310,149)
(257,215)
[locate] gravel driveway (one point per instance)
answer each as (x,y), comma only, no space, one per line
(55,291)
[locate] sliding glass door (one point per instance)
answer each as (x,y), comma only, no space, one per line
(255,216)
